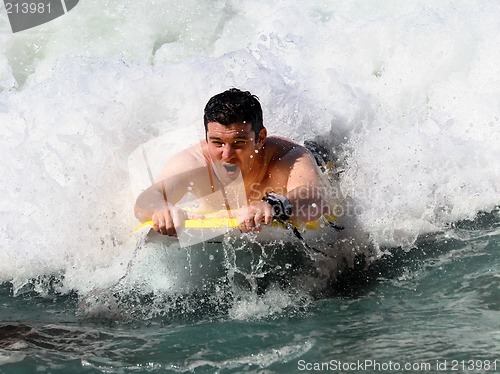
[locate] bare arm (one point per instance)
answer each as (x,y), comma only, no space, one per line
(157,202)
(295,175)
(306,190)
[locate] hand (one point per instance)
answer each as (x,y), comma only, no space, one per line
(163,222)
(166,220)
(254,216)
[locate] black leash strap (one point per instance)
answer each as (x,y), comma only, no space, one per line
(298,235)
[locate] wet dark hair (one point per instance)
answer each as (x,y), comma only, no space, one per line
(233,106)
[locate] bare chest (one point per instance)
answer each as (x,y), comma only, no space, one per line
(275,180)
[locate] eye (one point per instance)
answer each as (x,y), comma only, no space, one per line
(240,143)
(217,143)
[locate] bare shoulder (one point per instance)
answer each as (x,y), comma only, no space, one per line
(286,152)
(295,162)
(188,159)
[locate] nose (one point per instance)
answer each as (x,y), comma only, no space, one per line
(227,152)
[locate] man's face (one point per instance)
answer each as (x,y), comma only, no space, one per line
(234,147)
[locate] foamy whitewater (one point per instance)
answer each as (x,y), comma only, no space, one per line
(406,94)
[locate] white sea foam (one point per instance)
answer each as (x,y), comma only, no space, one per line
(406,94)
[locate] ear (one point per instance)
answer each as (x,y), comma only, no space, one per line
(262,136)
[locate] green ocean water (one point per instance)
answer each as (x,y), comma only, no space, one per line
(404,95)
(438,304)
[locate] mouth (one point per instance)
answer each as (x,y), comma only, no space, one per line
(230,168)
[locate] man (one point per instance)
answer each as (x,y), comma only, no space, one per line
(279,178)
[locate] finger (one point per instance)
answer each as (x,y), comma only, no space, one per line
(163,223)
(243,225)
(169,227)
(159,222)
(253,223)
(258,218)
(248,223)
(268,216)
(156,222)
(165,229)
(268,219)
(170,231)
(161,227)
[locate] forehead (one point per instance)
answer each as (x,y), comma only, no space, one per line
(234,130)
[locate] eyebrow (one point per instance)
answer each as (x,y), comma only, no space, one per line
(236,138)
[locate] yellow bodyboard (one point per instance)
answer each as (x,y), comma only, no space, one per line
(224,222)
